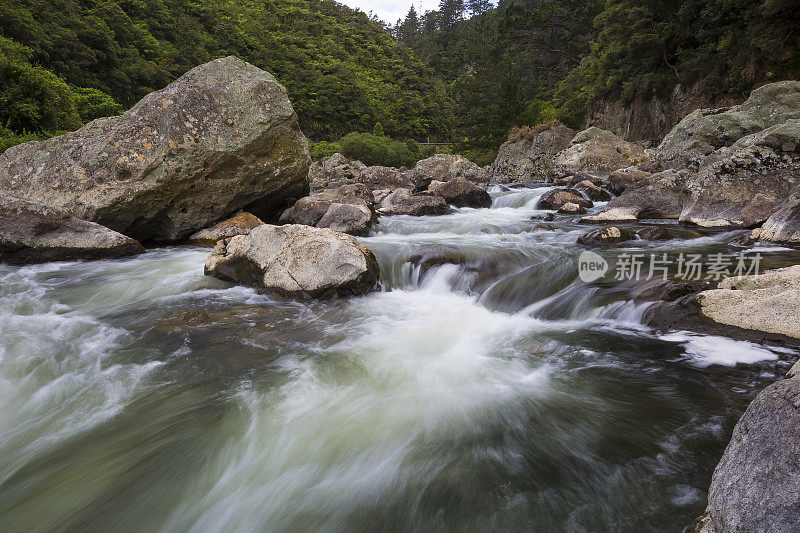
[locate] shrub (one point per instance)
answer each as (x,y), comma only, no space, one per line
(527,133)
(323,149)
(377,150)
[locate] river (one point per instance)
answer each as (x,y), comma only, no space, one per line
(496,390)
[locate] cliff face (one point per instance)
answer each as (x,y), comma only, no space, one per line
(649,119)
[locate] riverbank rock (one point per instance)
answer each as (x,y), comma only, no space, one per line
(220,138)
(784,224)
(332,172)
(556,198)
(625,178)
(706,130)
(599,152)
(738,186)
(570,208)
(240,224)
(461,193)
(296,261)
(530,157)
(35,233)
(772,301)
(446,167)
(754,486)
(402,202)
(592,191)
(336,171)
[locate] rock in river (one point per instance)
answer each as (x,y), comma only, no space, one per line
(600,152)
(445,167)
(34,233)
(461,193)
(402,202)
(530,156)
(220,138)
(296,261)
(555,199)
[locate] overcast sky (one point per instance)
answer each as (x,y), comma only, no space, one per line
(390,10)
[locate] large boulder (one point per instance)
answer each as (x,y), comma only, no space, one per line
(754,487)
(706,130)
(35,233)
(529,155)
(606,236)
(445,167)
(784,224)
(402,202)
(771,301)
(220,138)
(241,224)
(296,261)
(598,152)
(461,193)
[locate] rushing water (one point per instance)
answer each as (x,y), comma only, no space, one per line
(495,390)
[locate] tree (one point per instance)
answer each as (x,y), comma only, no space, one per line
(450,12)
(408,29)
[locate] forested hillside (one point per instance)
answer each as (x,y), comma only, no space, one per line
(63,62)
(527,61)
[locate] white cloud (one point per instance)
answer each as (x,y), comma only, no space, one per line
(391,10)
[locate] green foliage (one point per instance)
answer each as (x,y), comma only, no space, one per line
(92,103)
(378,130)
(8,138)
(323,149)
(373,149)
(343,71)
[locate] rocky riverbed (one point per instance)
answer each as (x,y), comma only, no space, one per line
(337,346)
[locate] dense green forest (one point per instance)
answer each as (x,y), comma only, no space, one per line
(466,72)
(63,62)
(528,61)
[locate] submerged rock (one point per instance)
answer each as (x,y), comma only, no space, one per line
(600,152)
(241,224)
(461,193)
(530,158)
(35,233)
(402,202)
(220,138)
(446,167)
(296,261)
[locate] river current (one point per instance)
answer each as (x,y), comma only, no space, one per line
(484,387)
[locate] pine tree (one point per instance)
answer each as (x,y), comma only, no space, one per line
(478,7)
(450,12)
(408,29)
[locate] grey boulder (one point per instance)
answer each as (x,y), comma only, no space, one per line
(402,202)
(296,261)
(461,193)
(34,233)
(220,138)
(241,224)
